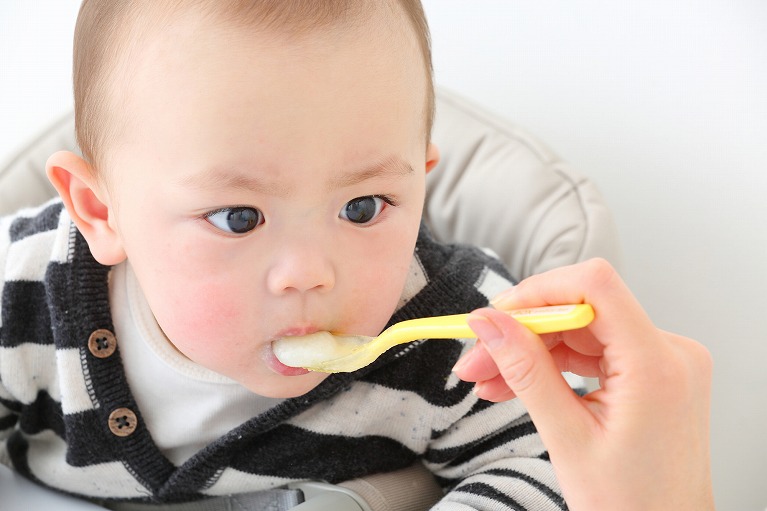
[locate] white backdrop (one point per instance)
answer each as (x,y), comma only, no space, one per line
(663,104)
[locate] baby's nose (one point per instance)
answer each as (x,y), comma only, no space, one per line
(301,269)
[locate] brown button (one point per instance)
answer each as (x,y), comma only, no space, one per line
(102,343)
(122,422)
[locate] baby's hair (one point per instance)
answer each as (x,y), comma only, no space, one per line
(109,31)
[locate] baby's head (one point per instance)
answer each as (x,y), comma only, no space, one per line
(261,164)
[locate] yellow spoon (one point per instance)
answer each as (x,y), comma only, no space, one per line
(329,353)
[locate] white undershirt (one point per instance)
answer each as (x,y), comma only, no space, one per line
(184,405)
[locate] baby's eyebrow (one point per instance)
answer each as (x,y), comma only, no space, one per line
(219,178)
(392,166)
(230,178)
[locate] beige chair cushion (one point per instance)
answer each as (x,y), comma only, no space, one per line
(498,187)
(495,187)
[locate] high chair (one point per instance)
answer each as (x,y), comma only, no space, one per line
(496,186)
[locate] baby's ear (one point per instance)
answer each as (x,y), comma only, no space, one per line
(87,204)
(432,157)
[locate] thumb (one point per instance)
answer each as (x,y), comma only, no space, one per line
(527,368)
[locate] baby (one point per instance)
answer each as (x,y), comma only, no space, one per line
(251,170)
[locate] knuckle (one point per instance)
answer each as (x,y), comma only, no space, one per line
(600,271)
(698,356)
(704,360)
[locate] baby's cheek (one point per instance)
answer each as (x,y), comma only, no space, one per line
(203,315)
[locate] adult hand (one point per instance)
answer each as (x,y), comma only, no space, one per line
(639,442)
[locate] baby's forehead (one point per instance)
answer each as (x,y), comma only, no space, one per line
(167,35)
(166,29)
(178,24)
(284,18)
(104,91)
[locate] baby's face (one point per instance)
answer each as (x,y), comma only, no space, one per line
(265,189)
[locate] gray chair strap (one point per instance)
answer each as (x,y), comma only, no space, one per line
(410,489)
(304,496)
(270,500)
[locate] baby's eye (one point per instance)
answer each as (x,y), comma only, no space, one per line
(237,220)
(362,209)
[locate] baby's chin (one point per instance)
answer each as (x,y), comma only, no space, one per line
(281,382)
(299,386)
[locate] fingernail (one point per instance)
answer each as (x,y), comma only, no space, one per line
(479,391)
(486,330)
(503,300)
(460,364)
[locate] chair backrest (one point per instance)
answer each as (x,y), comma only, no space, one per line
(499,187)
(496,187)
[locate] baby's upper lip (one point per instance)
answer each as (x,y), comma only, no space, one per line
(295,330)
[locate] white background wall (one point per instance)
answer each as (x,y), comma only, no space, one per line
(663,104)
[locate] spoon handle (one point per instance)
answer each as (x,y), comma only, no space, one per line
(554,318)
(540,320)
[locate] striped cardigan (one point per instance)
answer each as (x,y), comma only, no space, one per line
(68,419)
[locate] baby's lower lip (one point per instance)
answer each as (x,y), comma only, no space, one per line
(280,368)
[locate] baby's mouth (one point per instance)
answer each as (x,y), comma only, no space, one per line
(274,363)
(282,369)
